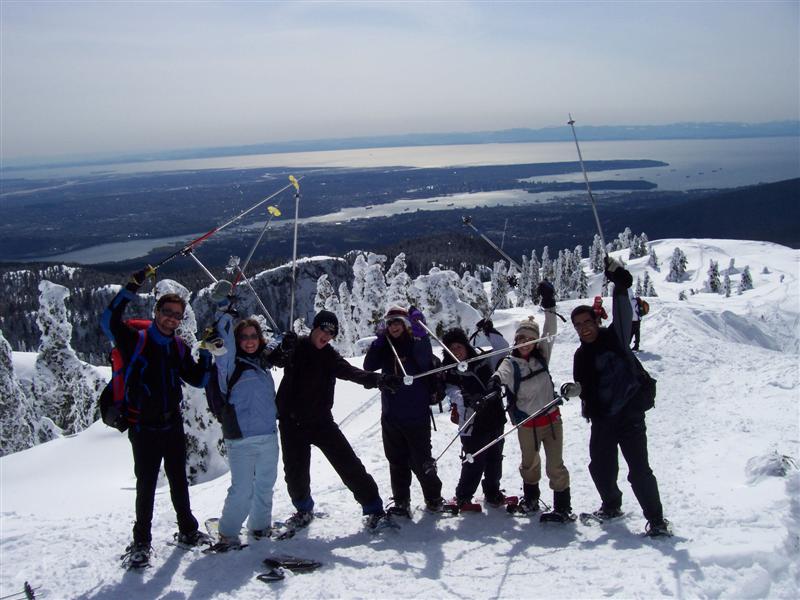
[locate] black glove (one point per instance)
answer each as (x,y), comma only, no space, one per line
(570,389)
(389,383)
(486,326)
(546,290)
(289,342)
(137,279)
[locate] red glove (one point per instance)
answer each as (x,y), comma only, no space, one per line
(454,414)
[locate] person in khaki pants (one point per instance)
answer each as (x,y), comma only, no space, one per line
(529,385)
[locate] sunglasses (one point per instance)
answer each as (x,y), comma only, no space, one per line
(171,314)
(249,336)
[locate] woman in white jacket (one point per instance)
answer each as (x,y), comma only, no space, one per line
(526,376)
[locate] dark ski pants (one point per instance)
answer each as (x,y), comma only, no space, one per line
(296,441)
(628,432)
(636,328)
(488,464)
(149,449)
(408,449)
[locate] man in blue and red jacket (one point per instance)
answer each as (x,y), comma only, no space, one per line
(157,364)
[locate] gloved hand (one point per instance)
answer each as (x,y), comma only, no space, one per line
(547,292)
(221,293)
(212,342)
(570,389)
(387,382)
(416,317)
(288,342)
(611,264)
(138,278)
(485,326)
(454,414)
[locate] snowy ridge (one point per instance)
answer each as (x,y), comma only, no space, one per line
(723,440)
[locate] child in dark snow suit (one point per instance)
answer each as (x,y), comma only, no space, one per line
(467,392)
(405,412)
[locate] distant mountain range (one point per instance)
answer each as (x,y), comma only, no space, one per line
(721,130)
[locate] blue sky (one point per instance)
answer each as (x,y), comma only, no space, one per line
(106,77)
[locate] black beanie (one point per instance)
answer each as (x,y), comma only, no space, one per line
(458,336)
(327,321)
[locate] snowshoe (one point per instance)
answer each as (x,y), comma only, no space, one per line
(557,517)
(400,509)
(524,507)
(288,529)
(219,543)
(136,557)
(377,522)
(276,574)
(293,563)
(435,505)
(600,516)
(500,500)
(456,506)
(194,539)
(662,529)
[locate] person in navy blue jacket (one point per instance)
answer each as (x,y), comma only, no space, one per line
(405,413)
(153,394)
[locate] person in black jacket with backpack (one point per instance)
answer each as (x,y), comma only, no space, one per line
(305,400)
(158,362)
(614,397)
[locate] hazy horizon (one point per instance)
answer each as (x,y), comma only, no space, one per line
(84,78)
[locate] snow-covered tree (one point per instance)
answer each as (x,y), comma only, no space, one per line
(677,266)
(624,239)
(65,388)
(524,295)
(732,270)
(638,291)
(746,280)
(653,260)
(474,293)
(398,266)
(682,295)
(362,313)
(500,287)
(438,299)
(596,255)
(713,282)
(648,288)
(726,285)
(346,326)
(324,292)
(548,271)
(375,289)
(397,294)
(535,277)
(17,418)
(579,283)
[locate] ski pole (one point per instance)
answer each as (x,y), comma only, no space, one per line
(272,322)
(469,458)
(190,254)
(481,357)
(272,214)
(468,222)
(407,379)
(571,123)
(462,366)
(208,234)
(294,250)
(458,433)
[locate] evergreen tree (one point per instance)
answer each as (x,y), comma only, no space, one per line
(398,266)
(438,299)
(634,248)
(324,292)
(596,255)
(17,418)
(548,271)
(726,285)
(345,315)
(677,266)
(648,288)
(500,287)
(534,277)
(624,239)
(653,261)
(65,388)
(713,281)
(746,280)
(375,289)
(397,294)
(524,288)
(638,292)
(732,270)
(682,295)
(361,312)
(475,294)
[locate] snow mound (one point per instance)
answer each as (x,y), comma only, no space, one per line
(770,465)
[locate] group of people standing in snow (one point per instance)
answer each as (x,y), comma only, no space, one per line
(605,376)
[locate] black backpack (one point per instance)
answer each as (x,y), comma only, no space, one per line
(645,397)
(218,402)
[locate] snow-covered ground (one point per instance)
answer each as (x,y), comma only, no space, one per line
(723,441)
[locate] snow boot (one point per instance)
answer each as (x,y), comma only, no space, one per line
(195,538)
(658,528)
(400,508)
(434,504)
(376,522)
(137,556)
(496,499)
(562,509)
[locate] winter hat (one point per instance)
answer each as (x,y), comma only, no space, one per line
(529,328)
(397,313)
(327,321)
(455,336)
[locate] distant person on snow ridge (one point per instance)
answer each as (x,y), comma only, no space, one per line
(636,320)
(153,397)
(598,308)
(405,412)
(305,400)
(613,400)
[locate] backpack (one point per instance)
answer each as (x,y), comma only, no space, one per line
(643,306)
(218,402)
(113,398)
(437,385)
(511,395)
(645,397)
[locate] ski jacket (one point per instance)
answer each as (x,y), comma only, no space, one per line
(410,403)
(634,305)
(153,384)
(535,386)
(605,368)
(306,391)
(475,383)
(253,394)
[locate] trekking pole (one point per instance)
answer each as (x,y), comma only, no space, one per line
(407,379)
(469,458)
(272,322)
(458,433)
(571,123)
(462,366)
(480,357)
(273,212)
(294,250)
(468,222)
(208,234)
